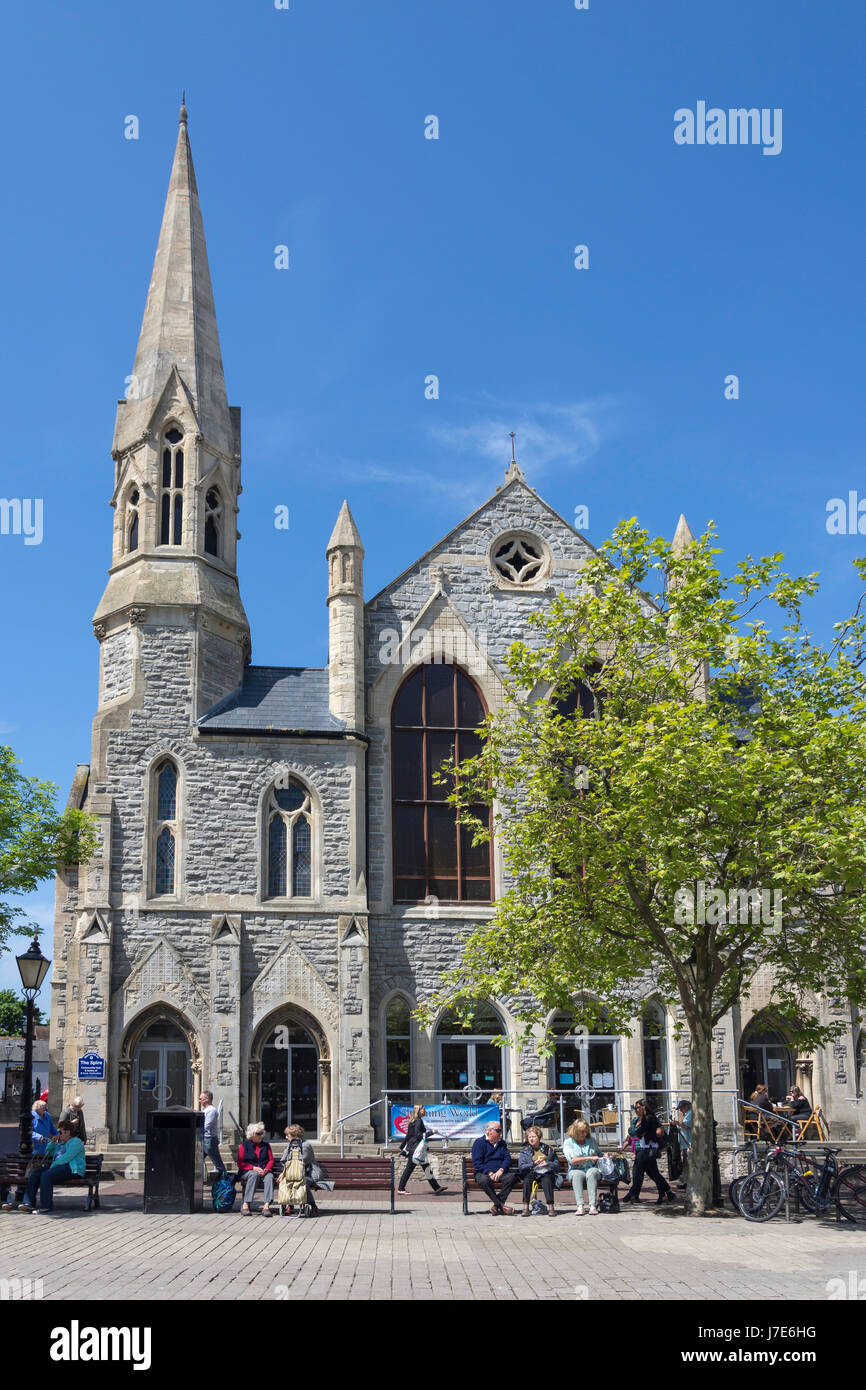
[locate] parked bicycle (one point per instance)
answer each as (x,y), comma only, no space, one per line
(761,1195)
(850,1193)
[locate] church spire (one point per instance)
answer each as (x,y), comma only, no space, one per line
(179,327)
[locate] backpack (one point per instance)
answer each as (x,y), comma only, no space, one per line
(222,1193)
(292,1188)
(606,1203)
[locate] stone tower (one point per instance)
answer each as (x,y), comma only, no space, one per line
(177,472)
(346,622)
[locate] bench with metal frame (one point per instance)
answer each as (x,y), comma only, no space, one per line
(13,1168)
(470,1185)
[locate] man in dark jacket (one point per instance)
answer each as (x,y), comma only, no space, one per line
(491,1163)
(547,1115)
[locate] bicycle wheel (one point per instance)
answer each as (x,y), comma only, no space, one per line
(761,1197)
(850,1193)
(735,1187)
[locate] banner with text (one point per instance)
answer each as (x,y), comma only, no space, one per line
(447,1121)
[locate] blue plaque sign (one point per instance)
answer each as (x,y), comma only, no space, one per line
(91,1067)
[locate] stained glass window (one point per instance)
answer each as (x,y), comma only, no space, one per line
(435,717)
(166,792)
(290,841)
(165,861)
(277,857)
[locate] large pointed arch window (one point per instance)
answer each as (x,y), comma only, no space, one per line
(290,841)
(165,829)
(171,496)
(435,718)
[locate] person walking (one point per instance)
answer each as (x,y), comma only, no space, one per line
(210,1133)
(414,1144)
(581,1155)
(537,1163)
(649,1138)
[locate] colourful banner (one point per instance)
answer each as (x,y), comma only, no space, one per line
(447,1121)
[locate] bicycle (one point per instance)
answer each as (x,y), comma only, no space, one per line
(850,1193)
(761,1195)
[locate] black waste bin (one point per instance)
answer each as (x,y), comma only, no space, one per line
(173,1180)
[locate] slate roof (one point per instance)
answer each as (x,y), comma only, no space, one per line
(276,699)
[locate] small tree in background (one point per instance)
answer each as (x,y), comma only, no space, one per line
(12,1008)
(35,838)
(647,814)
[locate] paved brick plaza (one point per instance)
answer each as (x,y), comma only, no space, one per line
(429,1250)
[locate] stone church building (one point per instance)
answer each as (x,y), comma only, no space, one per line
(279,880)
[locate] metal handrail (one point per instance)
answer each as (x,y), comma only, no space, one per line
(584,1094)
(343,1118)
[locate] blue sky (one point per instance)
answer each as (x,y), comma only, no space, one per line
(411,256)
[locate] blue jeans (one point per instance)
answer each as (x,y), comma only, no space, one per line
(211,1150)
(43,1181)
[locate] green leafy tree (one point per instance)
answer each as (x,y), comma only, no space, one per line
(12,1012)
(35,839)
(643,805)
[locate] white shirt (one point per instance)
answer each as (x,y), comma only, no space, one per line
(211,1122)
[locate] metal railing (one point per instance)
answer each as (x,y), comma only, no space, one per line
(341,1123)
(604,1107)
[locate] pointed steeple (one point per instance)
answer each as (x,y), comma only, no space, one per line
(682,536)
(345,531)
(179,327)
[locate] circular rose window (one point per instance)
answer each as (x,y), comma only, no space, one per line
(519,558)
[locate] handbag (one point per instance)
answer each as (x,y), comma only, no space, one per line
(419,1153)
(606,1166)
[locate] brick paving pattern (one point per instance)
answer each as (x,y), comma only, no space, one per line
(428,1250)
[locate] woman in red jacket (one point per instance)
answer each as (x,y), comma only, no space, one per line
(255,1161)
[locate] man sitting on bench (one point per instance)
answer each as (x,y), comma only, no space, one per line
(66,1153)
(491,1163)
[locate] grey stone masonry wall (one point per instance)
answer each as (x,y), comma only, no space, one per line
(117,655)
(470,594)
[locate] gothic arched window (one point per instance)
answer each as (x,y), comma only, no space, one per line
(290,841)
(398,1045)
(435,718)
(213,510)
(171,497)
(165,828)
(131,520)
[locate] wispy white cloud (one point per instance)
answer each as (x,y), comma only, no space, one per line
(6,728)
(547,436)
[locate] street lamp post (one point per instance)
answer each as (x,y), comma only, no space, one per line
(32,967)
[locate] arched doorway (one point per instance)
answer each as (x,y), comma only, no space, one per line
(289,1079)
(581,1059)
(467,1057)
(161,1073)
(766,1057)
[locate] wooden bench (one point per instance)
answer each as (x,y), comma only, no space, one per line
(14,1166)
(470,1185)
(360,1175)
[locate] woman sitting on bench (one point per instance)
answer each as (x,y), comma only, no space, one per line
(66,1155)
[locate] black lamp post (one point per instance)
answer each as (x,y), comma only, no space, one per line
(689,968)
(32,967)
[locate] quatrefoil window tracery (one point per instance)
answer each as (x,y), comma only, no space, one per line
(519,559)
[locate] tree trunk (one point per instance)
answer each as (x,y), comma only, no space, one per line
(699,1189)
